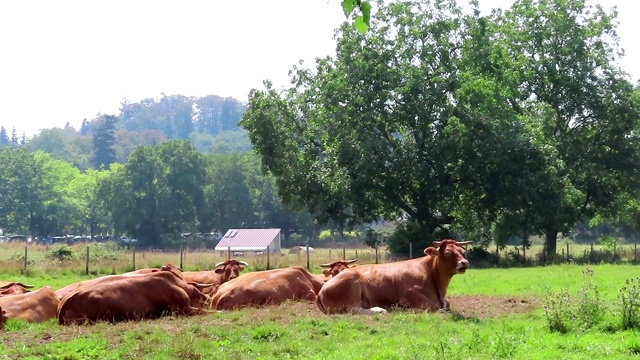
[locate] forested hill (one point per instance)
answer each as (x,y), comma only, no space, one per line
(209,122)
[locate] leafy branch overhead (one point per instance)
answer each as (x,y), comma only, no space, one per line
(361,21)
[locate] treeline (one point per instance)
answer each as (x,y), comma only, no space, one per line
(159,193)
(209,122)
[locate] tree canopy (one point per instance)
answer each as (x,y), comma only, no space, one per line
(511,124)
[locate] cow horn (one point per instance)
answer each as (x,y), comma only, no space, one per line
(202,285)
(243,263)
(351,261)
(325,265)
(463,242)
(220,263)
(27,286)
(437,243)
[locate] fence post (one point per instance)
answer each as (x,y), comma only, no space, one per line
(25,258)
(567,252)
(228,252)
(181,267)
(376,253)
(344,253)
(308,267)
(356,254)
(591,254)
(267,258)
(614,252)
(524,254)
(134,258)
(329,254)
(563,253)
(635,252)
(87,264)
(410,250)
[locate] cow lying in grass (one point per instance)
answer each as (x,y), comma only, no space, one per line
(34,306)
(132,297)
(268,287)
(416,283)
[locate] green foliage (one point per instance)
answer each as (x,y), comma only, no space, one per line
(565,312)
(630,298)
(60,253)
(361,21)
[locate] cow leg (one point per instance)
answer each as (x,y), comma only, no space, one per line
(417,300)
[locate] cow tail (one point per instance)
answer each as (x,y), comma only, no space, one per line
(320,306)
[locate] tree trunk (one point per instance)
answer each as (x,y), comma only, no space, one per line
(551,242)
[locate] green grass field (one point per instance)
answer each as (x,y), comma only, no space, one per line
(301,331)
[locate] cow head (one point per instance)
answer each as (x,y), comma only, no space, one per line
(451,256)
(230,269)
(172,269)
(15,289)
(334,268)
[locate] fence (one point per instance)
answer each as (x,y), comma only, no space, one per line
(93,259)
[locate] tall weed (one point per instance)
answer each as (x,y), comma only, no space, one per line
(584,310)
(630,297)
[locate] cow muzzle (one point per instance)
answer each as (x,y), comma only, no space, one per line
(463,265)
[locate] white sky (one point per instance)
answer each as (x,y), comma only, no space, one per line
(63,61)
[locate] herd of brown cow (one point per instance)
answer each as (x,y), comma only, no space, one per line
(419,283)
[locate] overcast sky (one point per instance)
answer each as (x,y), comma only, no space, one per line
(63,61)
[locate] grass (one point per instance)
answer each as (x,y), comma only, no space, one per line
(301,331)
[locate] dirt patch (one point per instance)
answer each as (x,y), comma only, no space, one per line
(484,306)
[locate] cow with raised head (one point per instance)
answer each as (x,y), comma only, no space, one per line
(13,288)
(223,272)
(133,297)
(334,268)
(268,287)
(34,306)
(419,283)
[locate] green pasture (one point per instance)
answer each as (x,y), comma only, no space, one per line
(301,331)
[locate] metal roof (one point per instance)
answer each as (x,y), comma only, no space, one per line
(254,239)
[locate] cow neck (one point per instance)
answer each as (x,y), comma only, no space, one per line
(430,265)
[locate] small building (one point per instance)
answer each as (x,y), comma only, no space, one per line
(241,241)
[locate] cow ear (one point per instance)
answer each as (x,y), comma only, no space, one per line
(431,251)
(326,272)
(219,271)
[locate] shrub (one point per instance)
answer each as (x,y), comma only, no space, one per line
(480,256)
(60,253)
(630,297)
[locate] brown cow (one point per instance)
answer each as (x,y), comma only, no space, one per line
(35,306)
(223,272)
(268,287)
(13,288)
(134,297)
(334,268)
(417,283)
(61,293)
(3,319)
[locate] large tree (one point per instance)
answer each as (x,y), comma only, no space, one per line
(556,59)
(103,141)
(454,122)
